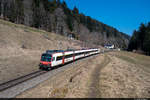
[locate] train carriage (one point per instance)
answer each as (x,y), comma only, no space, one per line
(69,56)
(58,59)
(54,58)
(79,54)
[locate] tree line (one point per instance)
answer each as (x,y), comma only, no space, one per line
(141,39)
(44,14)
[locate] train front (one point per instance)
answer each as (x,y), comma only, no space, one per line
(45,62)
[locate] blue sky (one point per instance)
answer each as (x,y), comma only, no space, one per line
(124,15)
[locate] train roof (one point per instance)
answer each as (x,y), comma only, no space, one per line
(61,51)
(57,51)
(44,54)
(54,51)
(70,50)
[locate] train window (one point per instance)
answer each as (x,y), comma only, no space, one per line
(59,58)
(86,52)
(46,57)
(79,53)
(76,54)
(68,56)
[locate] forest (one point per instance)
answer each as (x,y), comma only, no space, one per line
(140,40)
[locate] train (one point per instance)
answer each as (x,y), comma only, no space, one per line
(53,58)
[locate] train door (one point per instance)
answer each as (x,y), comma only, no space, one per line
(63,59)
(73,55)
(53,62)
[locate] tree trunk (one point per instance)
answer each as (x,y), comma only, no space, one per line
(2,9)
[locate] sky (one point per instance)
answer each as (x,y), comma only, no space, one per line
(124,15)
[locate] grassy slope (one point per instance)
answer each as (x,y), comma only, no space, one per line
(21,47)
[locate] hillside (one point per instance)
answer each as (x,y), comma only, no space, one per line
(22,46)
(54,16)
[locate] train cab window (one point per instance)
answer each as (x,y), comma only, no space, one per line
(46,57)
(53,59)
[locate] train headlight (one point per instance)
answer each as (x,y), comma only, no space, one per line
(49,65)
(40,64)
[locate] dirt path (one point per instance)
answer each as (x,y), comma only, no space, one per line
(94,87)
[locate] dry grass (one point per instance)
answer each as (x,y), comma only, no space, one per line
(125,77)
(59,92)
(141,61)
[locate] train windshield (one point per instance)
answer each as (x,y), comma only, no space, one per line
(46,57)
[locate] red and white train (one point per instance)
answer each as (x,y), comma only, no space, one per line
(54,58)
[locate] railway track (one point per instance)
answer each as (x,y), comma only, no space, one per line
(14,82)
(19,80)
